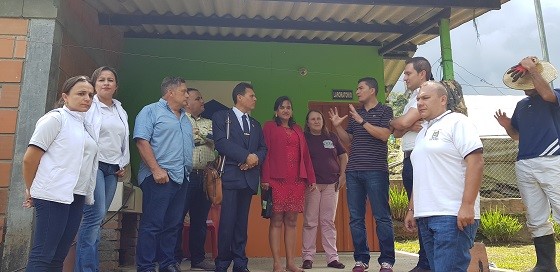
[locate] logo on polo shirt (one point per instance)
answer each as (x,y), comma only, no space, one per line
(435,135)
(328,144)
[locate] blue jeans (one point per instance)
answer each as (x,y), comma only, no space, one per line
(407,177)
(446,246)
(87,257)
(198,206)
(162,211)
(375,186)
(56,225)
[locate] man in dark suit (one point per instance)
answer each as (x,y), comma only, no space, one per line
(245,151)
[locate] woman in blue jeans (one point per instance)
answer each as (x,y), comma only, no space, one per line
(110,125)
(59,172)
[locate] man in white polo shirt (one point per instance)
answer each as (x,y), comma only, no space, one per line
(417,71)
(448,163)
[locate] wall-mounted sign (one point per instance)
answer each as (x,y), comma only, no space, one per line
(342,94)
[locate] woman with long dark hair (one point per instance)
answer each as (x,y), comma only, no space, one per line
(110,125)
(287,170)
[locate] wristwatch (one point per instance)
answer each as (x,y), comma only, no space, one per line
(363,123)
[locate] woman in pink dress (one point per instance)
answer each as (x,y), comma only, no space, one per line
(287,170)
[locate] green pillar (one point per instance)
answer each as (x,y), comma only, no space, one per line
(445,44)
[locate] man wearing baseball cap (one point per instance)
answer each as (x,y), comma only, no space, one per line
(535,123)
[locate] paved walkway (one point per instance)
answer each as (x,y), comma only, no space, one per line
(405,262)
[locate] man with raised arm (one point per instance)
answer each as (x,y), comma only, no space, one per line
(535,123)
(367,173)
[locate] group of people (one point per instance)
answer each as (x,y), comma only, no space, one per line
(303,168)
(442,169)
(79,150)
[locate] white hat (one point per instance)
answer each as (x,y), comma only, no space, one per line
(547,71)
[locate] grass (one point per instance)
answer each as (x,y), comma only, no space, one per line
(514,257)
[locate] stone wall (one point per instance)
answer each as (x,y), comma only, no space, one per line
(110,242)
(129,234)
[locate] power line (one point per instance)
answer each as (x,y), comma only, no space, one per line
(467,83)
(480,78)
(438,70)
(482,86)
(181,59)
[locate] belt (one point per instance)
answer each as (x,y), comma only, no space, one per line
(407,153)
(199,172)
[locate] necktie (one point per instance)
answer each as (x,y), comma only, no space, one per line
(245,125)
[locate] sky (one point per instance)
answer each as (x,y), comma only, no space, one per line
(506,36)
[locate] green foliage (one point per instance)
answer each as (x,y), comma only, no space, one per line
(394,154)
(556,228)
(398,201)
(517,257)
(397,101)
(499,227)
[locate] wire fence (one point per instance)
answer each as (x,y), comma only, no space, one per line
(499,180)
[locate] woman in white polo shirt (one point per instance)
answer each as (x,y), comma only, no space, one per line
(110,125)
(59,171)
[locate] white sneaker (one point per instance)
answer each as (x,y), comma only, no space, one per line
(360,267)
(386,267)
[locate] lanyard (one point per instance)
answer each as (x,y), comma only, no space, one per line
(430,124)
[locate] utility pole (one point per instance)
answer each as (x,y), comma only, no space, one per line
(542,35)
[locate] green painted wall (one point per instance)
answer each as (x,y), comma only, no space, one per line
(272,68)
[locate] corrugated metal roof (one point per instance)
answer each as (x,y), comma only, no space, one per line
(251,13)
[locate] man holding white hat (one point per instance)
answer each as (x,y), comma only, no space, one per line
(535,123)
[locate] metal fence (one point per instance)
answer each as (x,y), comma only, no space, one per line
(499,180)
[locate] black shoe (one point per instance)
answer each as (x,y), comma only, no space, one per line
(336,264)
(419,269)
(307,264)
(203,266)
(171,268)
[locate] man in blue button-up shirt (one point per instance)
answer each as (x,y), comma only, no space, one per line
(163,135)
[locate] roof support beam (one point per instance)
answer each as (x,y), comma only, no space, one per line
(130,34)
(207,37)
(420,29)
(397,56)
(288,24)
(474,4)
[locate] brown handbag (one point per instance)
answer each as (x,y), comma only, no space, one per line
(213,175)
(213,180)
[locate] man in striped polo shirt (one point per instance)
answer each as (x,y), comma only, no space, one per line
(535,123)
(367,174)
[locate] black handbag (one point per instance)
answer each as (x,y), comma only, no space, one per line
(266,201)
